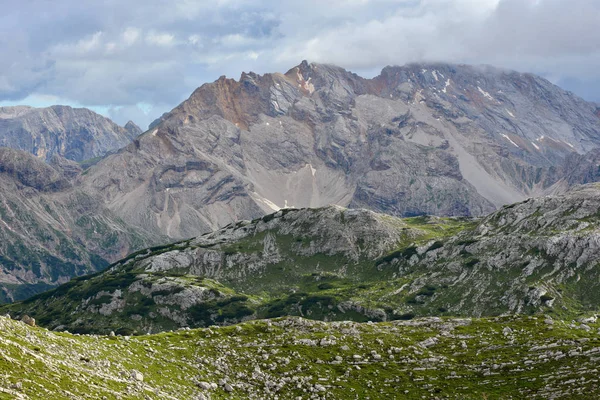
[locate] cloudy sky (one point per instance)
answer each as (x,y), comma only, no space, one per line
(135,59)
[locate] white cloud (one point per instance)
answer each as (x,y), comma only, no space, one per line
(160,39)
(195,40)
(131,36)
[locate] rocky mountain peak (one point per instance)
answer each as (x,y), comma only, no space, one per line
(133,129)
(418,139)
(73,133)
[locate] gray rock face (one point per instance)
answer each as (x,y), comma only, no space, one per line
(576,169)
(133,129)
(354,235)
(73,133)
(420,139)
(536,255)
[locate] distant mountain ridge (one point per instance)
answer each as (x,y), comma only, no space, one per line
(76,134)
(50,230)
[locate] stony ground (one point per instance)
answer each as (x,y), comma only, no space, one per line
(294,358)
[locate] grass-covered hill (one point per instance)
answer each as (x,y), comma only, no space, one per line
(538,256)
(295,358)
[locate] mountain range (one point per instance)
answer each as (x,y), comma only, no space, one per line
(422,139)
(76,134)
(431,232)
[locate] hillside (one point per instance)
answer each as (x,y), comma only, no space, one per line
(437,139)
(76,134)
(291,358)
(51,231)
(538,256)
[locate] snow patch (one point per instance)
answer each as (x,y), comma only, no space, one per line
(435,76)
(423,71)
(509,113)
(485,94)
(154,132)
(276,105)
(446,86)
(510,140)
(535,145)
(570,145)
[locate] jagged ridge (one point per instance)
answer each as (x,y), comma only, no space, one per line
(76,134)
(420,139)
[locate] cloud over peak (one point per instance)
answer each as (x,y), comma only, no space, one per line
(139,60)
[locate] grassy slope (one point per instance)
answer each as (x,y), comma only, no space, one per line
(472,359)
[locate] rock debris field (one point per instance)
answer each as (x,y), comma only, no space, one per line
(295,358)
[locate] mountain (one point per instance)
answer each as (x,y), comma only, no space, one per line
(51,231)
(133,129)
(576,169)
(538,256)
(291,358)
(439,139)
(73,133)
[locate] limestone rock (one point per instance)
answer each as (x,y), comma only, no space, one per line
(28,320)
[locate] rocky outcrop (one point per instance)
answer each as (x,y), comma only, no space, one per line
(538,255)
(187,283)
(73,133)
(420,139)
